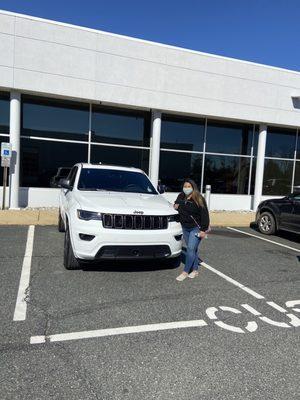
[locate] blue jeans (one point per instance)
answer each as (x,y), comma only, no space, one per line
(192,244)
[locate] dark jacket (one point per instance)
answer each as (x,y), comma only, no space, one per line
(188,209)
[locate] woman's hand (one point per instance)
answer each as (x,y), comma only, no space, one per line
(202,235)
(176,206)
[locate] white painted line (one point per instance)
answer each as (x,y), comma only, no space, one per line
(118,331)
(251,309)
(234,282)
(276,306)
(21,305)
(266,240)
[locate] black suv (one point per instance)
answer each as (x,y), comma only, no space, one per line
(279,214)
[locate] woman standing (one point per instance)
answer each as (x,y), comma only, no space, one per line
(194,218)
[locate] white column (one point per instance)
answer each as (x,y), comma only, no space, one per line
(155,147)
(260,165)
(14,134)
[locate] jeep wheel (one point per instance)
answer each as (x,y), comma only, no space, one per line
(61,224)
(266,224)
(70,261)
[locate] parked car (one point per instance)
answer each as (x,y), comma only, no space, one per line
(279,214)
(110,212)
(62,173)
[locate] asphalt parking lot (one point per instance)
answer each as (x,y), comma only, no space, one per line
(131,331)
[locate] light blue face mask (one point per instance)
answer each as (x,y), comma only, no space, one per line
(187,191)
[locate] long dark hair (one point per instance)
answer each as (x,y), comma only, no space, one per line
(196,195)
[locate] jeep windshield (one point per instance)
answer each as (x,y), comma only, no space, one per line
(111,180)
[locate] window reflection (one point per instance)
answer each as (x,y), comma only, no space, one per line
(122,156)
(255,139)
(175,167)
(280,143)
(297,177)
(229,138)
(4,113)
(226,174)
(120,127)
(3,139)
(41,159)
(182,134)
(55,119)
(252,185)
(277,177)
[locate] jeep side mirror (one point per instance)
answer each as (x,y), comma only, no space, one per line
(65,184)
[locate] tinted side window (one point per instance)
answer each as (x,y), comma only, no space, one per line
(72,175)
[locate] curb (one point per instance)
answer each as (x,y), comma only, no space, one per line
(48,218)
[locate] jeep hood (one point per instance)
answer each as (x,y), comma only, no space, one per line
(124,203)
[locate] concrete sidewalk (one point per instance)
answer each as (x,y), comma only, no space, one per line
(50,217)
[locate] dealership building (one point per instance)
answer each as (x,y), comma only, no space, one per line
(70,94)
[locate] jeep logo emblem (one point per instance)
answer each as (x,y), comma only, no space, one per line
(138,212)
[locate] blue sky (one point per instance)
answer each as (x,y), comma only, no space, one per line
(263,31)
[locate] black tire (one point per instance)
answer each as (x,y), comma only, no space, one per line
(70,261)
(61,224)
(266,223)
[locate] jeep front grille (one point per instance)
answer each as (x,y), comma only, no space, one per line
(138,222)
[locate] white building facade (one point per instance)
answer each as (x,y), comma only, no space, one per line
(70,94)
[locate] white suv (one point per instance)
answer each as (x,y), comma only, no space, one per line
(110,213)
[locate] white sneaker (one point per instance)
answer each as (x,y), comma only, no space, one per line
(193,274)
(182,277)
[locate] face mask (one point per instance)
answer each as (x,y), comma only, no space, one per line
(187,191)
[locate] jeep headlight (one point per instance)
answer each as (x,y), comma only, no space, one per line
(89,215)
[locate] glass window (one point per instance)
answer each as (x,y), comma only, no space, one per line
(295,196)
(252,185)
(229,138)
(278,177)
(280,143)
(122,156)
(4,113)
(72,176)
(41,159)
(182,134)
(297,177)
(97,179)
(118,127)
(5,140)
(255,140)
(228,175)
(55,119)
(175,167)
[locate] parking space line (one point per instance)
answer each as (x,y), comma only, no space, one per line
(266,240)
(21,305)
(234,282)
(118,331)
